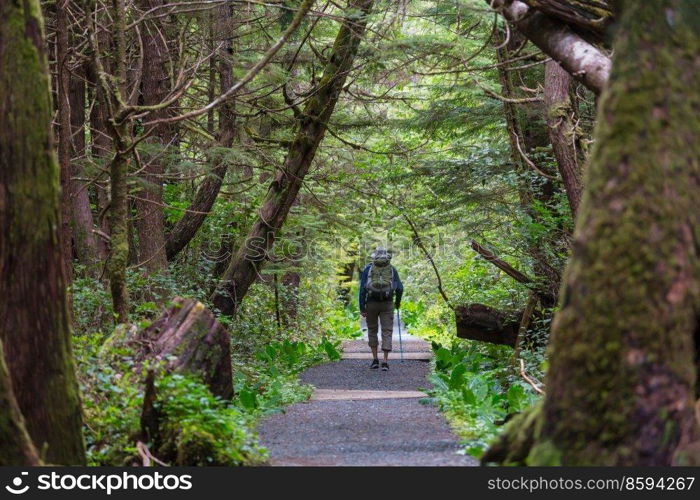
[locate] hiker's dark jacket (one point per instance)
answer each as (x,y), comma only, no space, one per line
(397,285)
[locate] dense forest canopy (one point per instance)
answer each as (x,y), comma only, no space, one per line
(189,190)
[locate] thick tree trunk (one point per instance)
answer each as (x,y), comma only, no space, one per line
(561,122)
(622,379)
(192,341)
(34,318)
(245,264)
(155,85)
(17,447)
(119,228)
(583,60)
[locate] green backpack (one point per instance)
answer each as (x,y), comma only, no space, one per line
(380,280)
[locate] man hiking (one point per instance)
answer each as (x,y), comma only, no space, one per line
(380,291)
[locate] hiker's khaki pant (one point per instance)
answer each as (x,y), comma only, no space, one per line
(380,312)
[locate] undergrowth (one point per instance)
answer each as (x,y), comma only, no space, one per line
(197,427)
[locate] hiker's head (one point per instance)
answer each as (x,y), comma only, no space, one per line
(381,256)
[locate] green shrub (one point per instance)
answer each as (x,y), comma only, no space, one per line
(475,386)
(200,429)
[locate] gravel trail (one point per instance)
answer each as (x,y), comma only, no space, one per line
(357,432)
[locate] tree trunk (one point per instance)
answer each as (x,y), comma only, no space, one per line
(186,228)
(524,136)
(17,447)
(119,227)
(118,173)
(34,318)
(312,121)
(561,123)
(64,133)
(86,245)
(149,198)
(101,151)
(192,341)
(622,378)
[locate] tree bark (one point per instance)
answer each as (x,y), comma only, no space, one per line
(86,245)
(525,136)
(561,124)
(155,84)
(34,317)
(186,228)
(64,133)
(282,192)
(583,60)
(190,339)
(486,324)
(622,379)
(592,16)
(17,447)
(121,134)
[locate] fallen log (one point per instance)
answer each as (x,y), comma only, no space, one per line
(190,340)
(486,324)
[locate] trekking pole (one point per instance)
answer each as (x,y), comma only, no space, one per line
(398,313)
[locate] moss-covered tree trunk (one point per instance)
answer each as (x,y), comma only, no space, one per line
(243,268)
(122,140)
(119,226)
(34,317)
(622,378)
(17,447)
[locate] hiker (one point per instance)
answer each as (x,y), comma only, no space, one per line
(380,291)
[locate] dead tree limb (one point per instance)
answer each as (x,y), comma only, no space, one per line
(591,16)
(501,264)
(524,323)
(419,242)
(583,60)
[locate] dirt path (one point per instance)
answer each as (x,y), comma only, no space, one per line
(359,416)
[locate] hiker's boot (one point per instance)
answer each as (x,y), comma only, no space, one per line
(374,365)
(385,366)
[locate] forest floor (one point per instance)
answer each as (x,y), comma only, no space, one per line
(359,416)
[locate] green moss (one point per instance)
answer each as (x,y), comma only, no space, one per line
(629,299)
(544,453)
